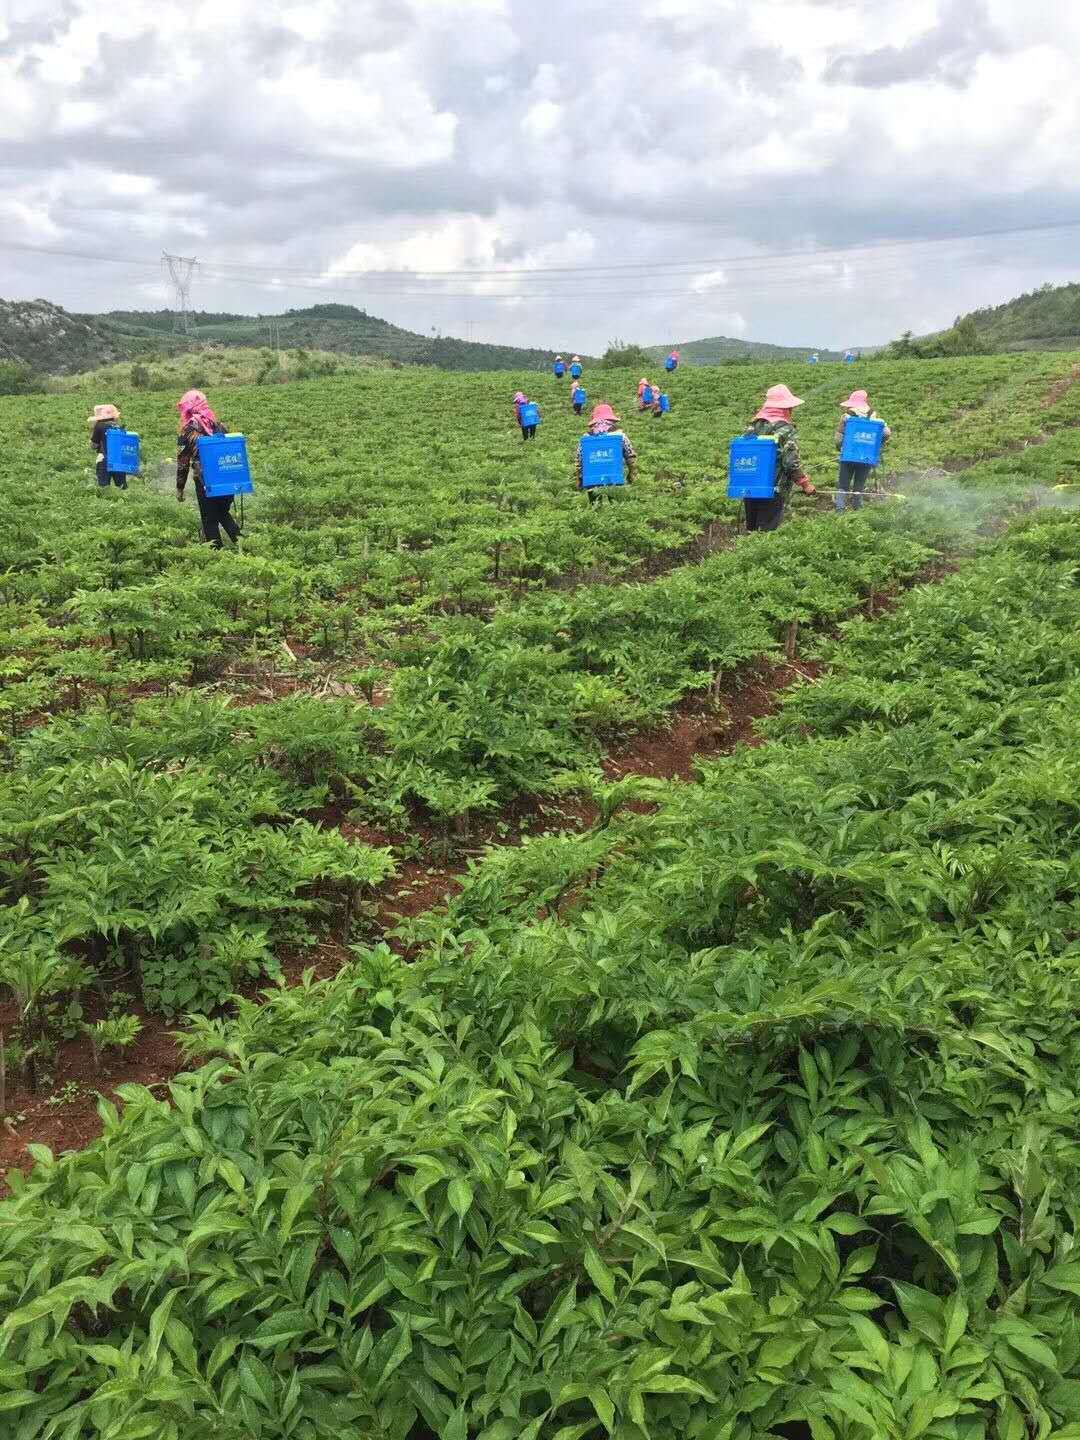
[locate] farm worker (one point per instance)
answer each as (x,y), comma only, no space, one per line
(105,417)
(774,418)
(197,419)
(644,394)
(672,362)
(559,367)
(575,368)
(578,397)
(528,432)
(661,404)
(853,477)
(604,421)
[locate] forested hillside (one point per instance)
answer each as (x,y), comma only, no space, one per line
(1047,318)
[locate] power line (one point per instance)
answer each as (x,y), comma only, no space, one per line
(670,267)
(653,267)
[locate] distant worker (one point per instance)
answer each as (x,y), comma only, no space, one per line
(854,473)
(527,413)
(849,357)
(578,397)
(671,364)
(197,420)
(105,418)
(813,359)
(604,421)
(661,404)
(559,368)
(644,395)
(774,418)
(575,368)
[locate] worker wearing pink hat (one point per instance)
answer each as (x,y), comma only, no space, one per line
(853,477)
(604,421)
(524,413)
(774,418)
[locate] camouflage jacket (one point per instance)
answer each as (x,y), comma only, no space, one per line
(187,454)
(791,466)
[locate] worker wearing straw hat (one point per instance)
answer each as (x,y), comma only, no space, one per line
(853,477)
(104,418)
(775,418)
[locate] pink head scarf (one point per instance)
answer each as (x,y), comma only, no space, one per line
(195,409)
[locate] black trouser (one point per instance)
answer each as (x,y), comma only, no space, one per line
(764,514)
(528,432)
(578,409)
(214,512)
(105,478)
(852,477)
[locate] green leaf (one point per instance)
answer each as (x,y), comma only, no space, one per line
(856,1298)
(676,1385)
(279,1329)
(157,1327)
(601,1403)
(1064,1277)
(843,1224)
(956,1319)
(599,1274)
(18,1399)
(460,1194)
(399,1354)
(256,1380)
(778,1352)
(872,1340)
(1033,1348)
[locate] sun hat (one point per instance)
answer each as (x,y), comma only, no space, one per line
(103,412)
(857,400)
(519,399)
(779,397)
(602,412)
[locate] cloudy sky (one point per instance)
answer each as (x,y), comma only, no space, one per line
(794,171)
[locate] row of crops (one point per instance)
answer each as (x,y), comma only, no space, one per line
(749,1116)
(159,839)
(754,1115)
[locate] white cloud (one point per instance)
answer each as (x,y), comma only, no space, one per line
(315,139)
(542,119)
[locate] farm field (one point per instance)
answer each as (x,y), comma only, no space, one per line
(724,1109)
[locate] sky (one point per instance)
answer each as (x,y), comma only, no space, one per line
(799,171)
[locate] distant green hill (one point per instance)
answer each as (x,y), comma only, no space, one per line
(1045,319)
(339,329)
(721,348)
(47,339)
(53,341)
